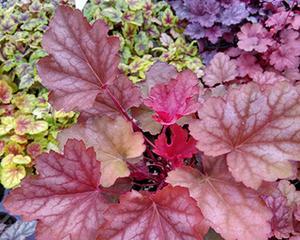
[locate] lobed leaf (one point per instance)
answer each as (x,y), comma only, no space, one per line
(174,99)
(114,142)
(220,70)
(82,67)
(258,129)
(181,146)
(169,214)
(18,231)
(65,197)
(231,209)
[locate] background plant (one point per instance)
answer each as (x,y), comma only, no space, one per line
(149,31)
(218,162)
(28,123)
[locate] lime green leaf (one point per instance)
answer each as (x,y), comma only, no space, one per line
(7,160)
(18,139)
(136,4)
(168,18)
(8,65)
(36,55)
(12,175)
(26,81)
(141,43)
(35,6)
(25,102)
(112,14)
(8,25)
(38,127)
(20,159)
(7,124)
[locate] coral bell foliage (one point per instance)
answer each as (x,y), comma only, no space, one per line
(166,159)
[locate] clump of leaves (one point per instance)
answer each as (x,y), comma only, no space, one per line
(29,126)
(266,52)
(215,23)
(127,173)
(22,24)
(211,21)
(148,32)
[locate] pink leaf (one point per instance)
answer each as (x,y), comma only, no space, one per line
(82,67)
(258,129)
(159,73)
(180,147)
(253,36)
(285,57)
(64,197)
(169,214)
(177,98)
(278,20)
(247,65)
(221,69)
(233,210)
(268,78)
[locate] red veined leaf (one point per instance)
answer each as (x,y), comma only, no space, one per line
(231,209)
(258,129)
(180,147)
(114,141)
(282,200)
(82,67)
(65,197)
(169,214)
(177,98)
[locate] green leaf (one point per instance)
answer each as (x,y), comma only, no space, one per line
(141,43)
(26,81)
(114,15)
(212,235)
(12,175)
(38,127)
(136,4)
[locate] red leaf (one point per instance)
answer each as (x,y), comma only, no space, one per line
(159,73)
(181,146)
(170,214)
(258,129)
(231,209)
(177,98)
(82,69)
(64,197)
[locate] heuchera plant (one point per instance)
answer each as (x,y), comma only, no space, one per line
(266,52)
(163,159)
(28,124)
(148,31)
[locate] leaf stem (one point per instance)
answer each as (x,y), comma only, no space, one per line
(125,114)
